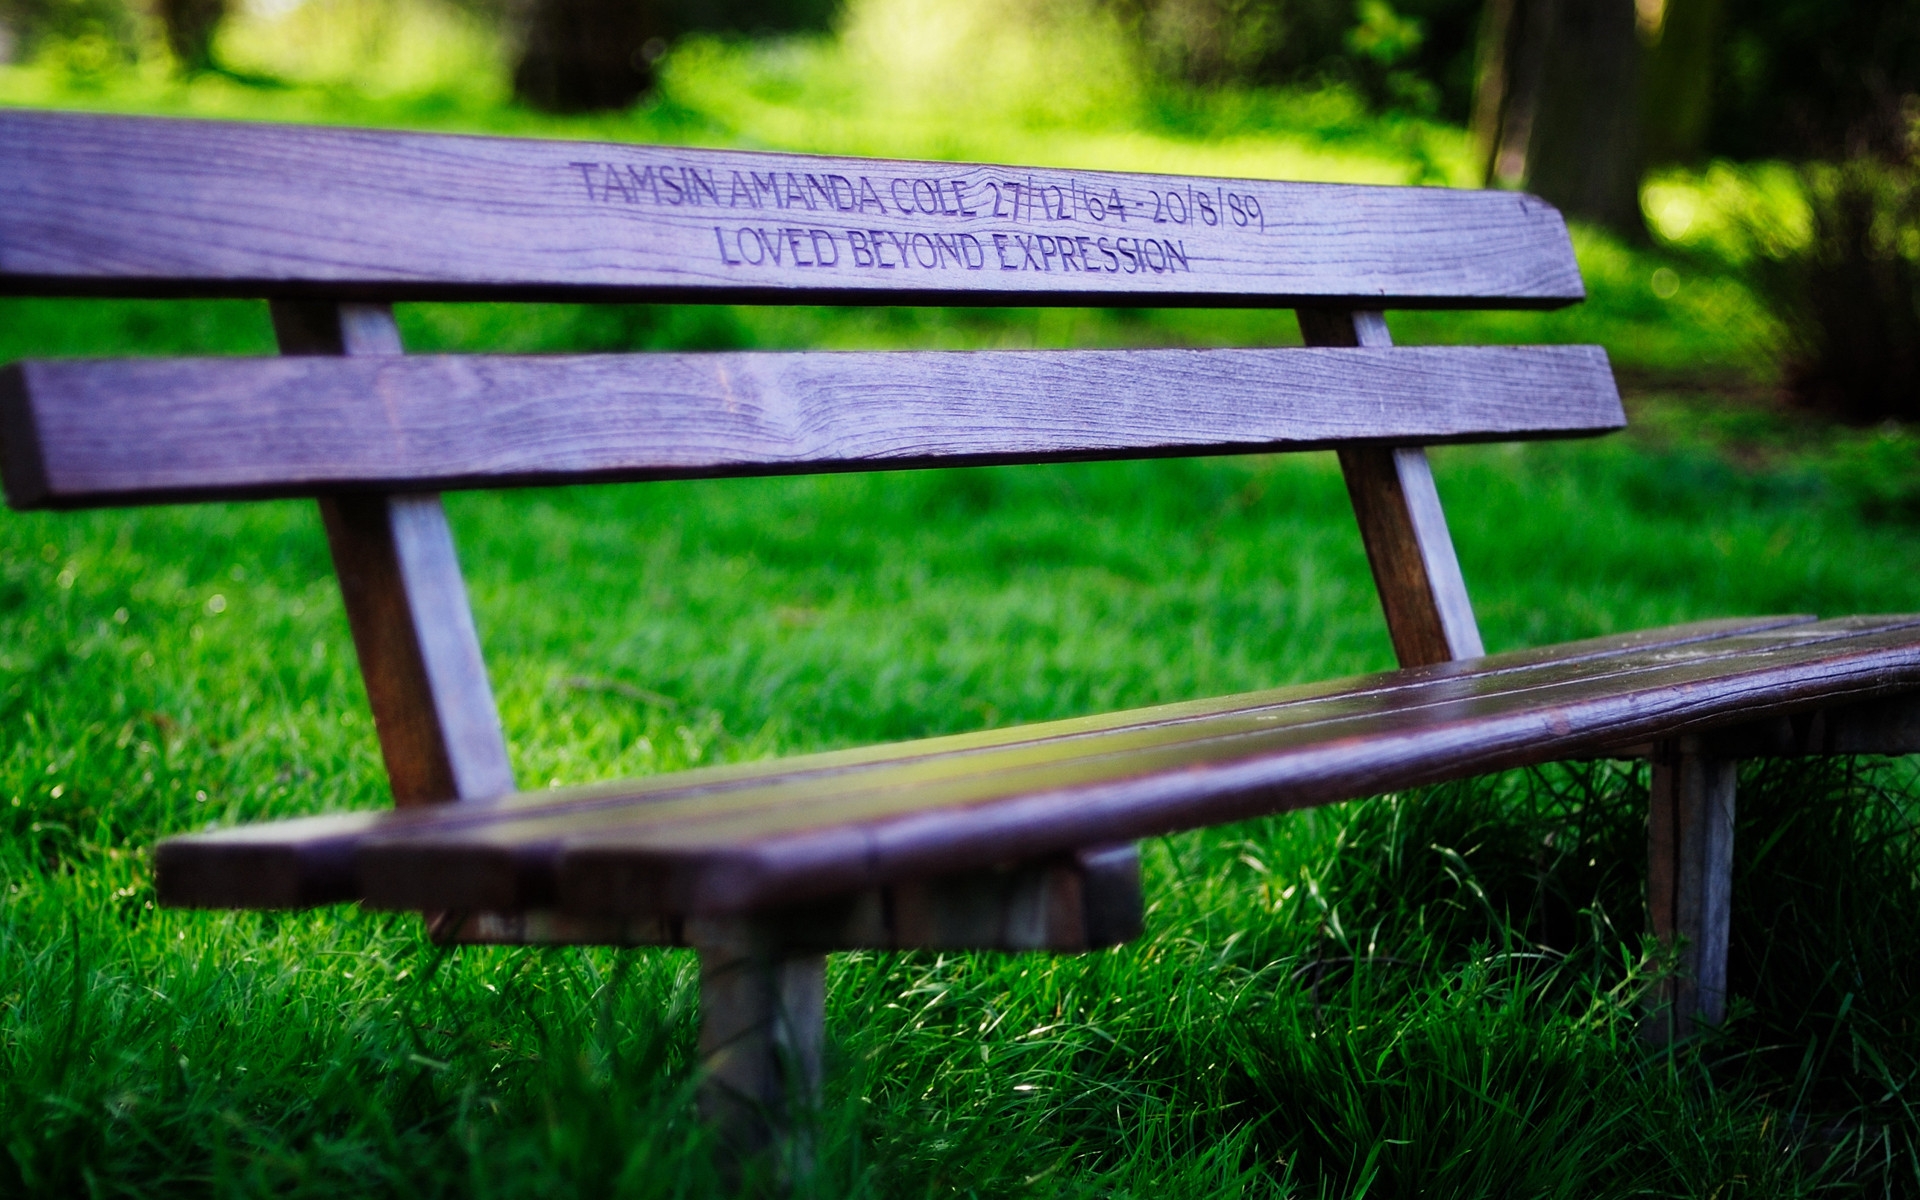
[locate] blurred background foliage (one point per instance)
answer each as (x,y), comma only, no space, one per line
(1770,142)
(1741,174)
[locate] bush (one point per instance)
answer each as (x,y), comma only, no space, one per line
(589,55)
(1410,54)
(96,36)
(1849,295)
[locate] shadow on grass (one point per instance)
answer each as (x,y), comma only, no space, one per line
(1434,993)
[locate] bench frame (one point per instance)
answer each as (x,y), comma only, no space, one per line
(762,982)
(762,977)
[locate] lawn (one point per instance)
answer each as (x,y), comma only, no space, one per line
(1429,994)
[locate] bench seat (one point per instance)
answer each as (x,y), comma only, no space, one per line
(756,837)
(1019,838)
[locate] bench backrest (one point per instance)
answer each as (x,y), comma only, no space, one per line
(331,225)
(133,206)
(139,206)
(90,433)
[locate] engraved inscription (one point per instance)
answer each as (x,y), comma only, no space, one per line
(831,220)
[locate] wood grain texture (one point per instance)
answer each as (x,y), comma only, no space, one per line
(1065,904)
(140,206)
(89,433)
(1690,883)
(290,864)
(295,863)
(406,602)
(1429,615)
(762,1038)
(419,652)
(1882,727)
(310,861)
(1410,551)
(714,845)
(764,857)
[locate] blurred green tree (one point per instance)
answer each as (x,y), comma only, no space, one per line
(1683,38)
(1575,97)
(1836,85)
(1817,79)
(190,27)
(1409,54)
(1578,97)
(105,31)
(586,55)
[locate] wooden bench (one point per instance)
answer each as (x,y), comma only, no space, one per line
(1010,838)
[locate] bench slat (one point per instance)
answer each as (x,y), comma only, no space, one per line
(507,858)
(398,867)
(143,206)
(1415,570)
(750,864)
(121,431)
(309,860)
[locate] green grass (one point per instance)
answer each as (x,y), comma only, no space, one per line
(1430,994)
(906,78)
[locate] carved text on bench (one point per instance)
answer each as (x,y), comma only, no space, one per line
(1127,235)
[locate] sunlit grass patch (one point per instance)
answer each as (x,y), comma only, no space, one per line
(1064,100)
(1431,993)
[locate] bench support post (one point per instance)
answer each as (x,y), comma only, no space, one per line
(427,683)
(762,1032)
(1690,883)
(406,602)
(1409,548)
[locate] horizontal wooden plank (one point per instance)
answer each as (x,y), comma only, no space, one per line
(113,205)
(1064,904)
(310,861)
(509,858)
(1889,727)
(119,431)
(776,855)
(511,861)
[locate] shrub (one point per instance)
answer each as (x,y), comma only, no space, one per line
(1849,296)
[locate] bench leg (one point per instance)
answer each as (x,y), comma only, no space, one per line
(1429,616)
(762,1025)
(1690,883)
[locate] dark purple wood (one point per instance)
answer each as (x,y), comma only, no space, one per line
(777,855)
(109,205)
(406,602)
(419,652)
(1410,551)
(762,1034)
(310,862)
(1415,571)
(1881,727)
(89,433)
(1690,883)
(1064,904)
(1173,764)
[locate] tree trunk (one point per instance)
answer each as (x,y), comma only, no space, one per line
(190,26)
(1558,108)
(1682,36)
(587,55)
(1514,38)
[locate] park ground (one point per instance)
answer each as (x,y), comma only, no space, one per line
(1428,994)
